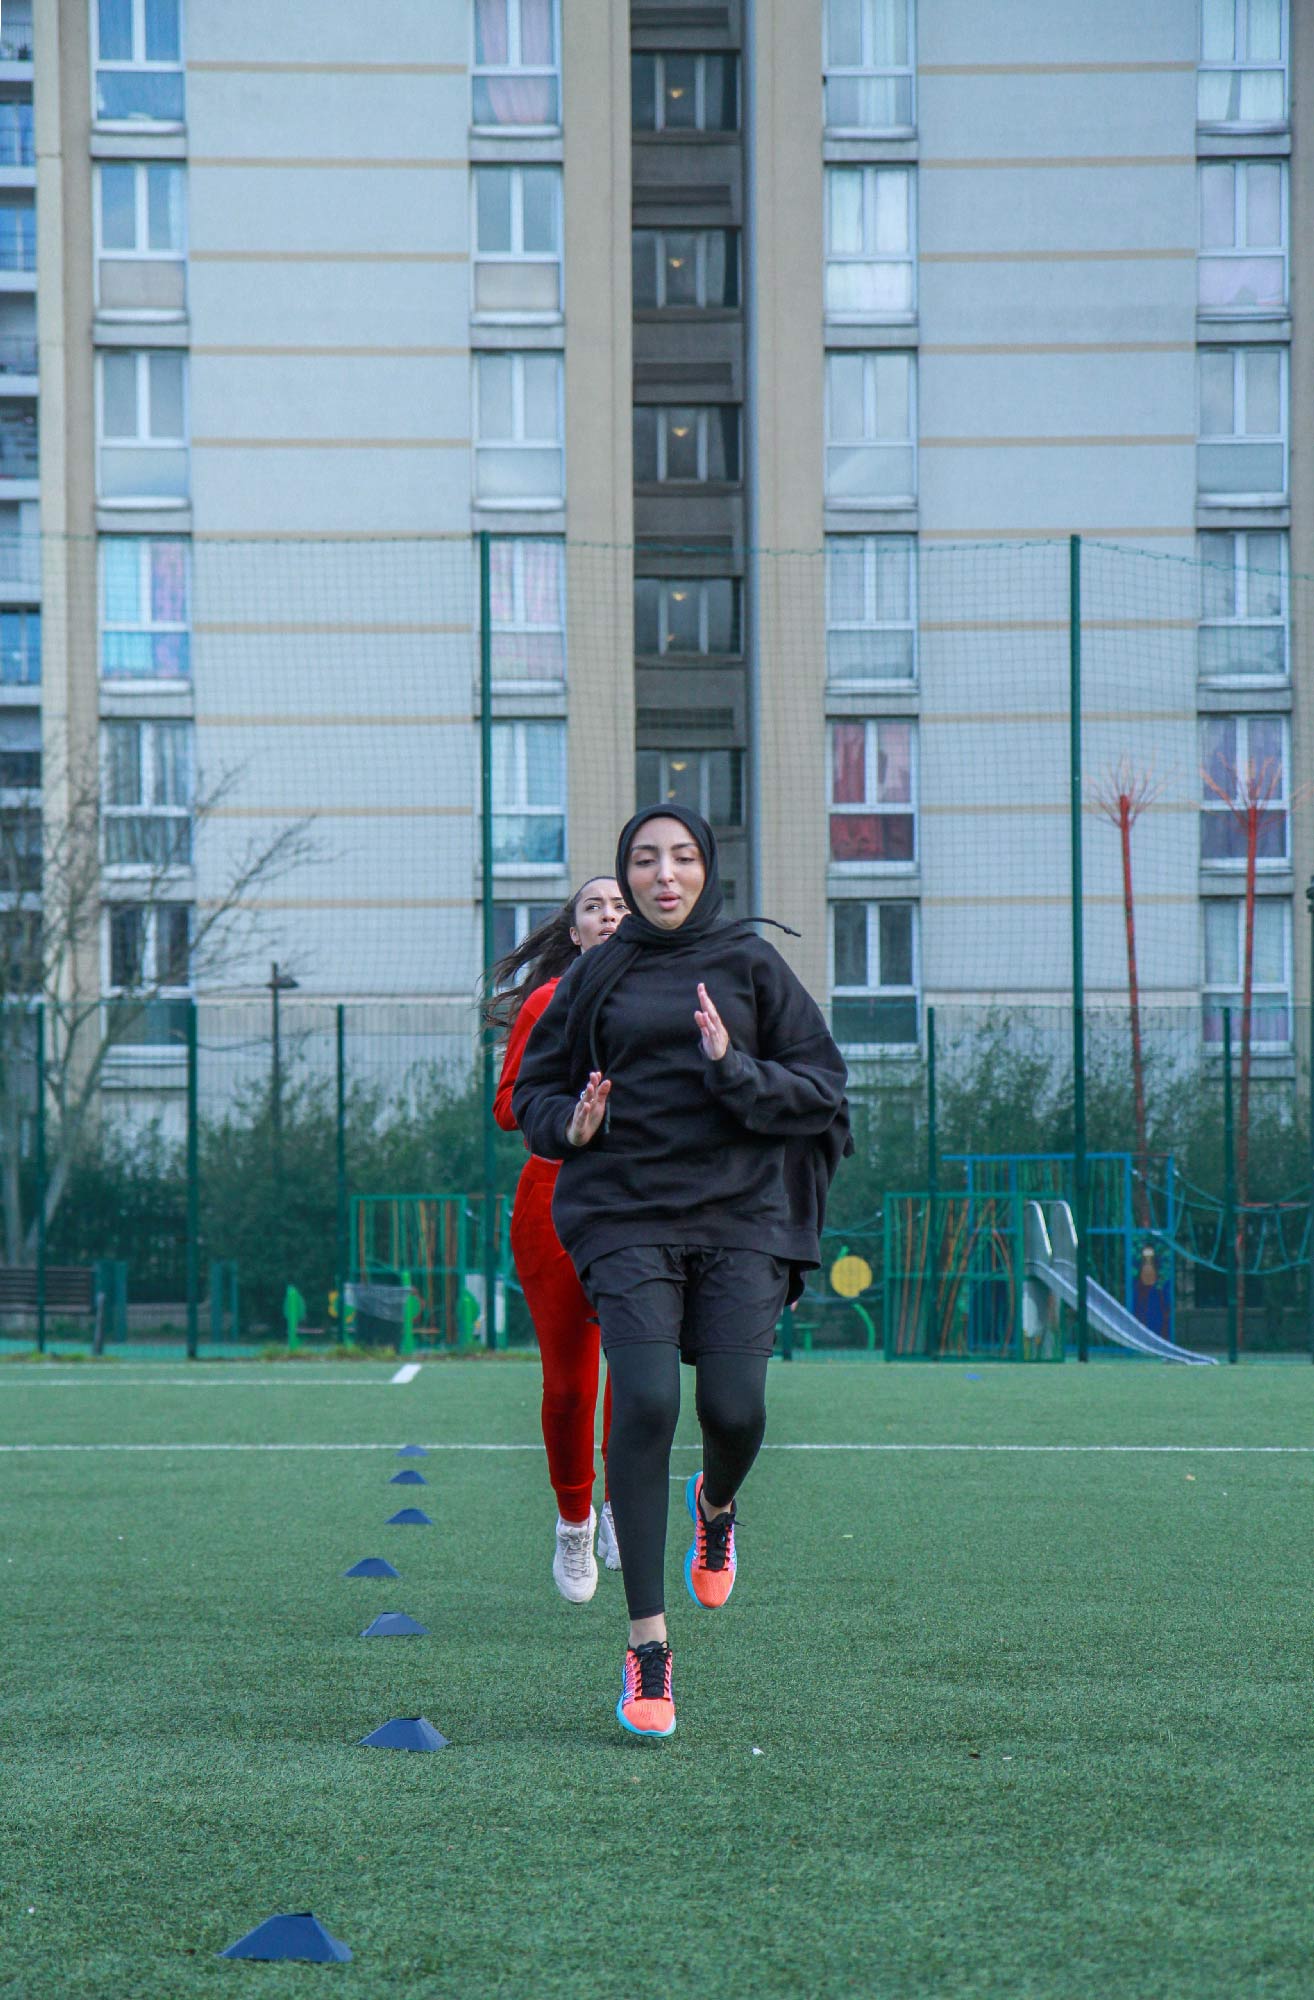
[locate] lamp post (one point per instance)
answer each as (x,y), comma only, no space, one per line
(279,982)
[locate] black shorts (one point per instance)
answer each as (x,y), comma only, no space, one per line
(702,1301)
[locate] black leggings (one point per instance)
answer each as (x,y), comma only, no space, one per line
(645,1392)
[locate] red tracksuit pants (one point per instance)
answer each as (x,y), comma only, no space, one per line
(568,1342)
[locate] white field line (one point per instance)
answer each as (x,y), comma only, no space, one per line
(190,1382)
(406,1373)
(1060,1450)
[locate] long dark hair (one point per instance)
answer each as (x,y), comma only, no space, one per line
(547,952)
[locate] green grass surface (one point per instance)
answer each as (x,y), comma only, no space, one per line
(1030,1723)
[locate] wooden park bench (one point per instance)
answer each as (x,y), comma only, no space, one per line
(69,1289)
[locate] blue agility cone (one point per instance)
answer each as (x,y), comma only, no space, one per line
(406,1732)
(395,1625)
(408,1478)
(412,1451)
(410,1517)
(299,1936)
(371,1566)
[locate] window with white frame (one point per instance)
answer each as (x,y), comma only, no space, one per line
(143,425)
(710,782)
(1243,63)
(1242,453)
(685,269)
(137,56)
(20,647)
(686,444)
(145,632)
(513,922)
(148,950)
(517,232)
(519,460)
(529,795)
(1243,237)
(871,608)
(147,794)
(684,93)
(17,147)
(873,974)
(16,31)
(873,793)
(869,243)
(1243,605)
(686,617)
(17,234)
(140,236)
(528,582)
(1245,792)
(870,427)
(517,64)
(1270,971)
(868,57)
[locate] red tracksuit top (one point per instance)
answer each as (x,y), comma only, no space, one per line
(534,1005)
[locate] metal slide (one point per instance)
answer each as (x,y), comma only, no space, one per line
(1051,1264)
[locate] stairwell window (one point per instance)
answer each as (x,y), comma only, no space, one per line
(143,427)
(686,444)
(684,93)
(690,270)
(138,61)
(870,427)
(710,782)
(868,58)
(1224,970)
(874,975)
(519,458)
(686,618)
(873,794)
(1242,454)
(1244,630)
(517,232)
(1243,64)
(517,65)
(529,795)
(1243,237)
(869,243)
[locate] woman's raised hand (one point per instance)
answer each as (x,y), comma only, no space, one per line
(711,1028)
(591,1109)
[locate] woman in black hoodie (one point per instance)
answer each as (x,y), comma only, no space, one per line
(693,1092)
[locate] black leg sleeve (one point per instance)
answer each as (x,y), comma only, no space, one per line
(645,1403)
(732,1412)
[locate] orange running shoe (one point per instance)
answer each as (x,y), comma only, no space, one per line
(645,1707)
(709,1567)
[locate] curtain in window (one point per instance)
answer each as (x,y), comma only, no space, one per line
(173,764)
(523,100)
(168,583)
(894,763)
(850,765)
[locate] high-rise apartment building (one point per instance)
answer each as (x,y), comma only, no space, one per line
(649,296)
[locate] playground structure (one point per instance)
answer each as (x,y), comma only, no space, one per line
(1050,1250)
(429,1249)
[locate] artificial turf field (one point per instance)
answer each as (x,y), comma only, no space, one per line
(1031,1722)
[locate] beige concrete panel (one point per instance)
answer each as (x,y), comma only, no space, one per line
(786,433)
(599,477)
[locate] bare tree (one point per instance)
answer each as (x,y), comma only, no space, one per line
(1123,795)
(54,894)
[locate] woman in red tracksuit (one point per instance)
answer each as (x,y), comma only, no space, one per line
(565,1322)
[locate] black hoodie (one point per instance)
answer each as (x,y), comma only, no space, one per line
(733,1154)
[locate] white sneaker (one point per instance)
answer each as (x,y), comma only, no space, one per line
(608,1546)
(574,1571)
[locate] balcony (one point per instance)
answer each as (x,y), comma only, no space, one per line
(19,453)
(20,649)
(18,357)
(16,144)
(16,33)
(20,565)
(17,248)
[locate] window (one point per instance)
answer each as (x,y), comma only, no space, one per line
(678,618)
(1242,454)
(518,454)
(685,269)
(148,961)
(869,243)
(873,979)
(144,633)
(708,781)
(1243,62)
(16,31)
(147,794)
(516,64)
(1224,970)
(512,923)
(684,93)
(141,239)
(1243,236)
(16,148)
(528,603)
(1243,605)
(20,852)
(529,794)
(20,648)
(20,751)
(869,429)
(138,58)
(17,236)
(685,444)
(871,607)
(517,232)
(868,61)
(1243,771)
(873,799)
(143,426)
(18,444)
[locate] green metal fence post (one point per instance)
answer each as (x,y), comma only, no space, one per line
(486,864)
(193,1189)
(1080,1189)
(1229,1187)
(933,1186)
(40,1137)
(342,1170)
(1309,1234)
